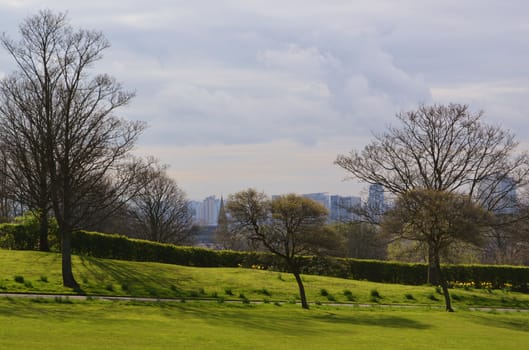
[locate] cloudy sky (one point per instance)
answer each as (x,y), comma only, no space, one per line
(266,94)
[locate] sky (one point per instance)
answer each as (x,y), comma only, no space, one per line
(266,94)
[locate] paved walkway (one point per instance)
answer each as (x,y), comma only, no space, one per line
(154,300)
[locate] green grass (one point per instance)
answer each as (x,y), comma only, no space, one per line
(125,278)
(276,323)
(40,324)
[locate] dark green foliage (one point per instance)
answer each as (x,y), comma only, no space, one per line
(19,279)
(228,291)
(23,234)
(409,296)
(323,292)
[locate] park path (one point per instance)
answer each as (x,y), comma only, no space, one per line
(154,300)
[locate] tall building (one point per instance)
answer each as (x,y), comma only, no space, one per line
(208,211)
(341,208)
(498,195)
(376,205)
(375,199)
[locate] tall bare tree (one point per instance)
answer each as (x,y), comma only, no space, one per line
(443,148)
(67,112)
(288,226)
(159,209)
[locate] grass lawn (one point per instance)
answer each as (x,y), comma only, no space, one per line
(36,272)
(39,324)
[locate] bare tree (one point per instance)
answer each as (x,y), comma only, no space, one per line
(160,210)
(443,148)
(67,113)
(438,219)
(289,226)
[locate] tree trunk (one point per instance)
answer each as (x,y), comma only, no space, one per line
(66,250)
(43,231)
(433,274)
(302,296)
(444,284)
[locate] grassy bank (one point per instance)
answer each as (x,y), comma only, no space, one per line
(36,272)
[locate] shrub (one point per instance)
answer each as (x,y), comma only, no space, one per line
(19,279)
(409,296)
(323,292)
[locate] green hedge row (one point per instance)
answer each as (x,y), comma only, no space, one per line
(121,247)
(25,236)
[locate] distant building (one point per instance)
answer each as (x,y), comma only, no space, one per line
(498,195)
(208,211)
(341,208)
(321,197)
(376,205)
(375,199)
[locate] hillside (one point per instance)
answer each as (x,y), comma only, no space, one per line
(37,272)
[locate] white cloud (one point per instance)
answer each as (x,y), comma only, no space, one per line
(220,81)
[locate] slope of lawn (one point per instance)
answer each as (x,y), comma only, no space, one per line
(40,324)
(36,272)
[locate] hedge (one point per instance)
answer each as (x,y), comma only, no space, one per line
(16,236)
(120,247)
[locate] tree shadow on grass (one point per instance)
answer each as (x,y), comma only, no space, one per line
(295,323)
(516,322)
(387,321)
(136,283)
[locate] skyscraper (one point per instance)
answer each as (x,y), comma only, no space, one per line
(341,207)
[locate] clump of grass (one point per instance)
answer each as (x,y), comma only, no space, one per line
(124,287)
(375,296)
(265,291)
(280,277)
(277,303)
(324,292)
(331,297)
(349,295)
(242,296)
(43,279)
(19,279)
(28,284)
(438,290)
(220,300)
(109,287)
(456,297)
(228,291)
(317,302)
(409,296)
(246,301)
(194,294)
(215,294)
(201,291)
(432,297)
